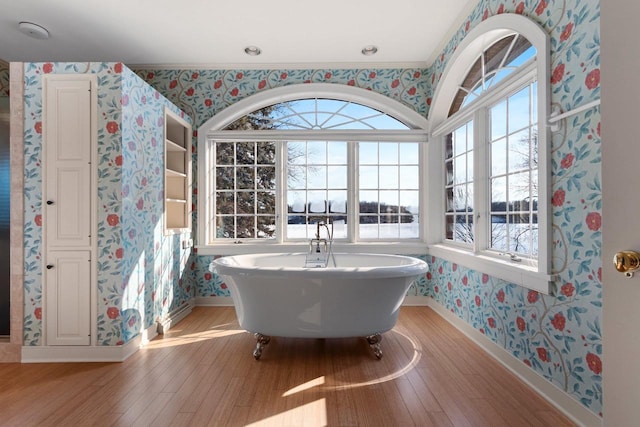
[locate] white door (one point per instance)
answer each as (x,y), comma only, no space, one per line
(621,209)
(68,144)
(67,296)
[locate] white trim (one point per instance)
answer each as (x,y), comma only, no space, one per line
(312,90)
(174,317)
(93,353)
(64,354)
(214,302)
(378,247)
(517,273)
(416,301)
(413,135)
(545,388)
(482,35)
(93,247)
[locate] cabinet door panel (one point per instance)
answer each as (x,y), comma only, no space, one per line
(68,298)
(67,162)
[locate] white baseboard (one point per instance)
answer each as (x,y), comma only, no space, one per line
(68,353)
(174,317)
(549,391)
(415,300)
(72,353)
(214,301)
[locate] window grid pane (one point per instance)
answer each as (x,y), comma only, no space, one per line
(514,195)
(316,187)
(245,190)
(458,216)
(388,176)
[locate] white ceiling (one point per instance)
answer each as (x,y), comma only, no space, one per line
(210,33)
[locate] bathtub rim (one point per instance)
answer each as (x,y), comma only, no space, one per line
(417,267)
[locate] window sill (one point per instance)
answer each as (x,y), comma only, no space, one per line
(522,275)
(392,248)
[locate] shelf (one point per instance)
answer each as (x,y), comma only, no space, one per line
(177,175)
(172,146)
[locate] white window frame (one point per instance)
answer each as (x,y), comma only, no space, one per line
(534,275)
(212,130)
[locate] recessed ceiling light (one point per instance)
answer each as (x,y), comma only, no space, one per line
(369,50)
(34,30)
(252,50)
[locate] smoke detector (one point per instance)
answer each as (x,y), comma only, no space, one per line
(34,30)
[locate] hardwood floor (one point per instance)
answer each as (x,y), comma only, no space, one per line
(203,373)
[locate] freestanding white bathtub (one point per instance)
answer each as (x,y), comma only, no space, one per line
(275,295)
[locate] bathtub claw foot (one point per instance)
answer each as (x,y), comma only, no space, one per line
(261,341)
(374,342)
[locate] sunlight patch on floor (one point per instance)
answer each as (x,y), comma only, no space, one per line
(306,386)
(164,342)
(313,414)
(417,354)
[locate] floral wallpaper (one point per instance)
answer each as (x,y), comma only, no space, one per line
(131,294)
(152,264)
(557,336)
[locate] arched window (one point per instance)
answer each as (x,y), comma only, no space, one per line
(279,162)
(490,133)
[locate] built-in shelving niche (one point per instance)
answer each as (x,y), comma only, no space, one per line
(177,178)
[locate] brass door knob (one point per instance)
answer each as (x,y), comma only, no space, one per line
(627,262)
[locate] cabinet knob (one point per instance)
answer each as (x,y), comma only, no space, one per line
(49,266)
(49,202)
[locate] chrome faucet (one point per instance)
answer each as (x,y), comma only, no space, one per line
(320,249)
(318,240)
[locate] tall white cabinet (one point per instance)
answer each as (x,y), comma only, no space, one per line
(69,207)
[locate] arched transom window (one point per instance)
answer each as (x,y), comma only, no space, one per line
(274,171)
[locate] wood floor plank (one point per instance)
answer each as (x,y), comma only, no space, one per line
(202,372)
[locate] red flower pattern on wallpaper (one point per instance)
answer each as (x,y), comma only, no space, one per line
(543,355)
(593,79)
(113,220)
(567,161)
(594,363)
(558,74)
(558,198)
(558,321)
(567,290)
(594,221)
(112,127)
(566,32)
(541,7)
